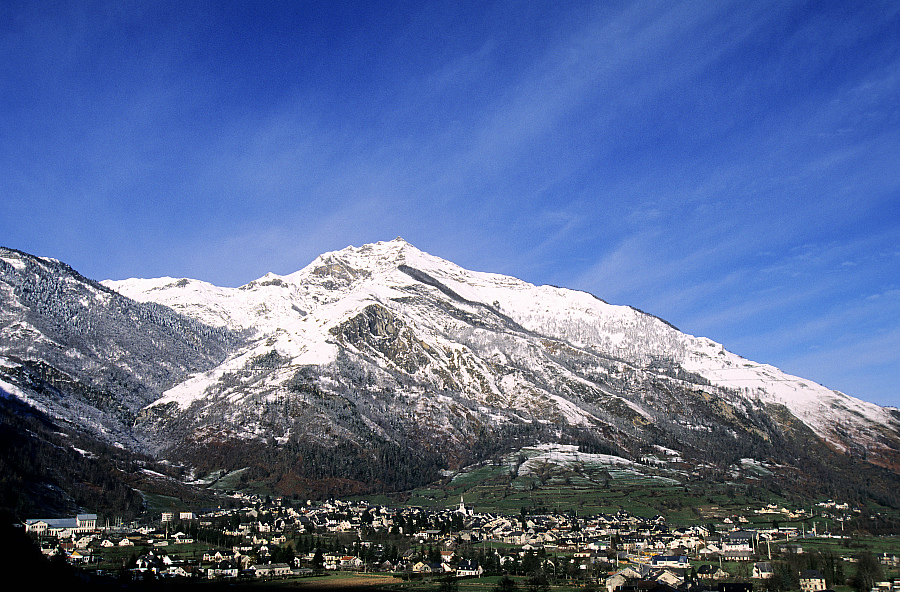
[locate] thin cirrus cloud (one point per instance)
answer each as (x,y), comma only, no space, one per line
(727,166)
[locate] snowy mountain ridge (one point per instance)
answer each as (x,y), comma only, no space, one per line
(81,352)
(383,364)
(295,313)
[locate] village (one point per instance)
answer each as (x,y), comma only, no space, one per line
(266,538)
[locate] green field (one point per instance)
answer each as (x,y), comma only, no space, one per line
(586,488)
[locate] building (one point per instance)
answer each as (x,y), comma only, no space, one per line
(739,540)
(711,572)
(468,568)
(762,570)
(677,561)
(80,524)
(812,580)
(270,570)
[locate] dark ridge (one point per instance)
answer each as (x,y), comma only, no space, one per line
(62,267)
(421,276)
(660,319)
(594,296)
(148,311)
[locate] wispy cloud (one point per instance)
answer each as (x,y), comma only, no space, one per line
(728,166)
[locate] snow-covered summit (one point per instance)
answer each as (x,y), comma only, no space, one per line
(485,336)
(299,314)
(586,321)
(382,364)
(385,346)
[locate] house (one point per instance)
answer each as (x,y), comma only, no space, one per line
(737,555)
(263,552)
(222,569)
(616,581)
(49,548)
(84,542)
(811,580)
(182,571)
(350,562)
(514,537)
(622,577)
(679,561)
(331,561)
(427,568)
(737,545)
(738,540)
(213,556)
(668,577)
(711,572)
(468,568)
(795,549)
(272,570)
(182,539)
(77,557)
(243,561)
(762,570)
(152,562)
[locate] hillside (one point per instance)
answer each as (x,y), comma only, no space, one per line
(375,368)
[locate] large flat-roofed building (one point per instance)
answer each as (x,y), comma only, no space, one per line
(56,526)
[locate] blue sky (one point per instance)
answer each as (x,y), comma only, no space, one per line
(731,167)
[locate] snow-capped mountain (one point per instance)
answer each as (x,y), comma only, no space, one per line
(396,333)
(381,364)
(83,353)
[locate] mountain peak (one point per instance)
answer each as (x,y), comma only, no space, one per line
(352,262)
(391,350)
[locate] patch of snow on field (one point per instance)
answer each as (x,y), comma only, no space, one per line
(567,455)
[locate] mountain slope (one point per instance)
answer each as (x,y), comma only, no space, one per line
(383,349)
(376,367)
(84,354)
